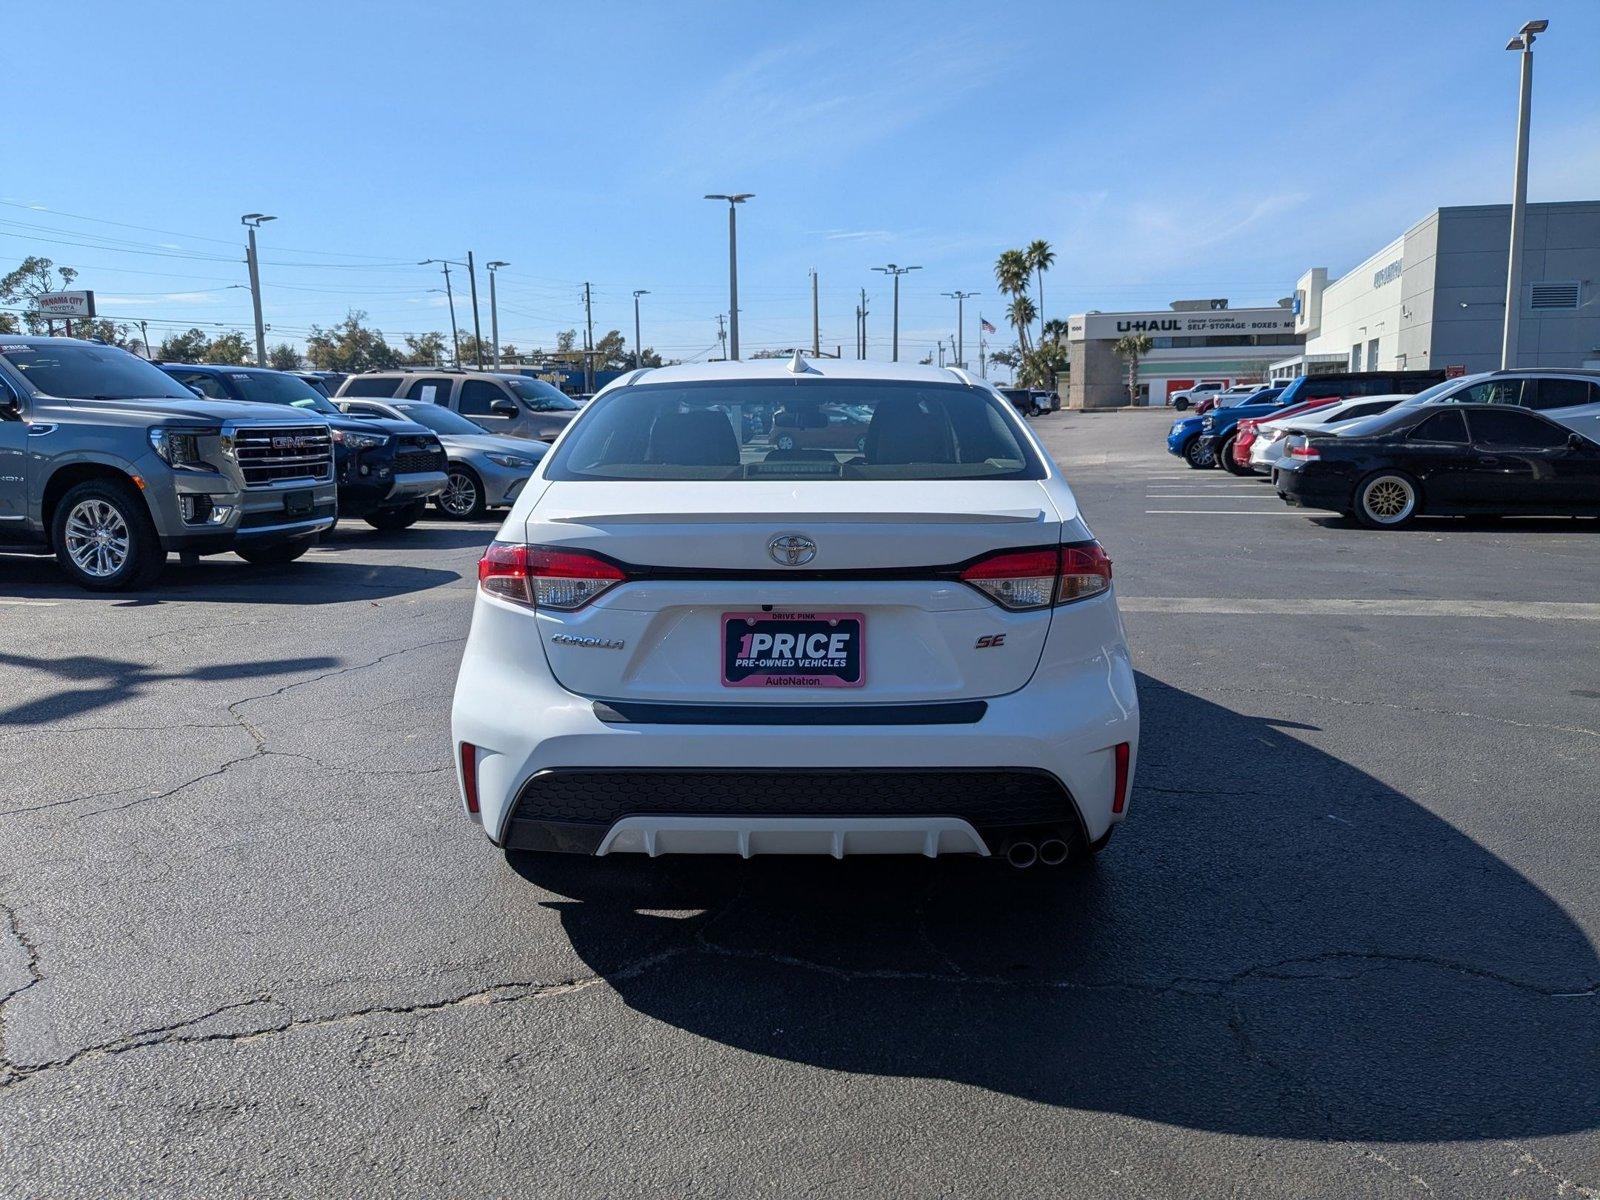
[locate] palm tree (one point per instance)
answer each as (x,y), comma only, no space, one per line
(1054,330)
(1021,313)
(1131,349)
(1011,272)
(1040,258)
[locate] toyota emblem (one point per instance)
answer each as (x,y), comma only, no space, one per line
(792,549)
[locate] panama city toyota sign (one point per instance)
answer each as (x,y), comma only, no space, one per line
(66,304)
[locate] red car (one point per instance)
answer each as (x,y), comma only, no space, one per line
(1245,432)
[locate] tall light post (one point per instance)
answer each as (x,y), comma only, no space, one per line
(960,298)
(450,296)
(734,200)
(494,310)
(477,329)
(638,340)
(1519,192)
(895,271)
(253,222)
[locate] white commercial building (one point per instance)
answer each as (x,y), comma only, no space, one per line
(1434,297)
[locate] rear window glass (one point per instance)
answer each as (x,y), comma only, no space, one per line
(360,386)
(811,429)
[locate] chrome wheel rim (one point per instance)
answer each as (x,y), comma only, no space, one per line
(460,495)
(97,538)
(1388,500)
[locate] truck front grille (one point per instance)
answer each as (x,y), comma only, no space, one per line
(415,454)
(276,454)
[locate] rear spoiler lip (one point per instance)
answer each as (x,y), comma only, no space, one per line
(992,517)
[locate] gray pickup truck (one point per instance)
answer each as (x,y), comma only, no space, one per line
(112,464)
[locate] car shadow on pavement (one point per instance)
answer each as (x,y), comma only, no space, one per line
(1310,955)
(224,579)
(357,535)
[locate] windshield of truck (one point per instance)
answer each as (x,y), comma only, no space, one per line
(267,387)
(86,371)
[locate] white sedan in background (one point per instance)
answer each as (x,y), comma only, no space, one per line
(1272,436)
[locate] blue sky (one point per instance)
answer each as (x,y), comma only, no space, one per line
(1165,150)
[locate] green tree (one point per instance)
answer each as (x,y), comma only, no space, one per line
(611,352)
(1011,359)
(1130,349)
(190,347)
(426,349)
(566,340)
(283,357)
(1054,330)
(32,279)
(1040,258)
(350,346)
(230,349)
(1011,272)
(1021,312)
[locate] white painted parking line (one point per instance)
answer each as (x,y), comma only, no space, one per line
(31,603)
(1533,610)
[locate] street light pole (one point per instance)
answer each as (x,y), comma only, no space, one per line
(960,298)
(494,310)
(816,324)
(638,340)
(1519,193)
(477,330)
(896,272)
(253,222)
(450,296)
(734,200)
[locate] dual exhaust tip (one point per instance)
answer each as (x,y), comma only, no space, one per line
(1051,852)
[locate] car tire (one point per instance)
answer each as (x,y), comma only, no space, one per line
(104,538)
(1181,404)
(1387,500)
(785,442)
(1195,455)
(1225,459)
(462,498)
(276,555)
(391,520)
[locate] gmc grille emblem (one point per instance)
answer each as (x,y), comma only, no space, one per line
(292,442)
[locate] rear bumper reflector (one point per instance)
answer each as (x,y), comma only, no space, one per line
(620,712)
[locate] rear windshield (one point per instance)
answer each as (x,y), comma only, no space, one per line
(806,429)
(86,371)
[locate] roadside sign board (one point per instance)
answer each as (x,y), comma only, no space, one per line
(1455,370)
(66,304)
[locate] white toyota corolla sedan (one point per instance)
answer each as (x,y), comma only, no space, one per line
(895,634)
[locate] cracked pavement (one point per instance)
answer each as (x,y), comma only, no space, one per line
(1344,946)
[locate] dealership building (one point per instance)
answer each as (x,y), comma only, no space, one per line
(1190,341)
(1434,297)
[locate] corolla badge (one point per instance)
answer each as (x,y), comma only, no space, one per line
(792,549)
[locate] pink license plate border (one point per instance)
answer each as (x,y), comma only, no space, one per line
(816,681)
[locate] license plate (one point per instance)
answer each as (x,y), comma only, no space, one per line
(298,504)
(792,649)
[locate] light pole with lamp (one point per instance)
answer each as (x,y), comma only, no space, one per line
(895,271)
(1519,192)
(494,310)
(734,200)
(638,341)
(960,298)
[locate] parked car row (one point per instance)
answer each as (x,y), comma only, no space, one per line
(1386,447)
(112,462)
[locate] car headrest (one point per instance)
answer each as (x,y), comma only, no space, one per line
(693,439)
(902,431)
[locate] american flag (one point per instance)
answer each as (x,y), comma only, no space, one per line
(987,328)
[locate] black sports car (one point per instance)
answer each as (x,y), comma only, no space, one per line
(1456,459)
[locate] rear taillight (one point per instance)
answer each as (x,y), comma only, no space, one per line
(545,577)
(1304,451)
(1028,579)
(1247,426)
(1119,794)
(469,775)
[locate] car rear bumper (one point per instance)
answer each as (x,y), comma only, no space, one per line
(557,771)
(1295,487)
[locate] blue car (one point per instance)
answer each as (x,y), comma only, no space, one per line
(1183,439)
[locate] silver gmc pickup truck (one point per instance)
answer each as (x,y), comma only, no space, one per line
(112,464)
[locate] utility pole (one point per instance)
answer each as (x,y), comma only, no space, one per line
(638,339)
(450,297)
(734,200)
(253,222)
(1519,192)
(863,311)
(588,338)
(144,333)
(816,327)
(896,272)
(960,298)
(477,330)
(722,337)
(494,310)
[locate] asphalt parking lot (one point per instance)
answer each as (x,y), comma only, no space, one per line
(1344,945)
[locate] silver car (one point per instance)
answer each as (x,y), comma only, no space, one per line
(485,471)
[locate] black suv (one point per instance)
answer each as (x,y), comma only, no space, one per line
(386,470)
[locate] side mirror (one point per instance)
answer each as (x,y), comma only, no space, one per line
(503,408)
(1576,441)
(195,390)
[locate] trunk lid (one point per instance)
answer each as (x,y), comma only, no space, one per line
(702,551)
